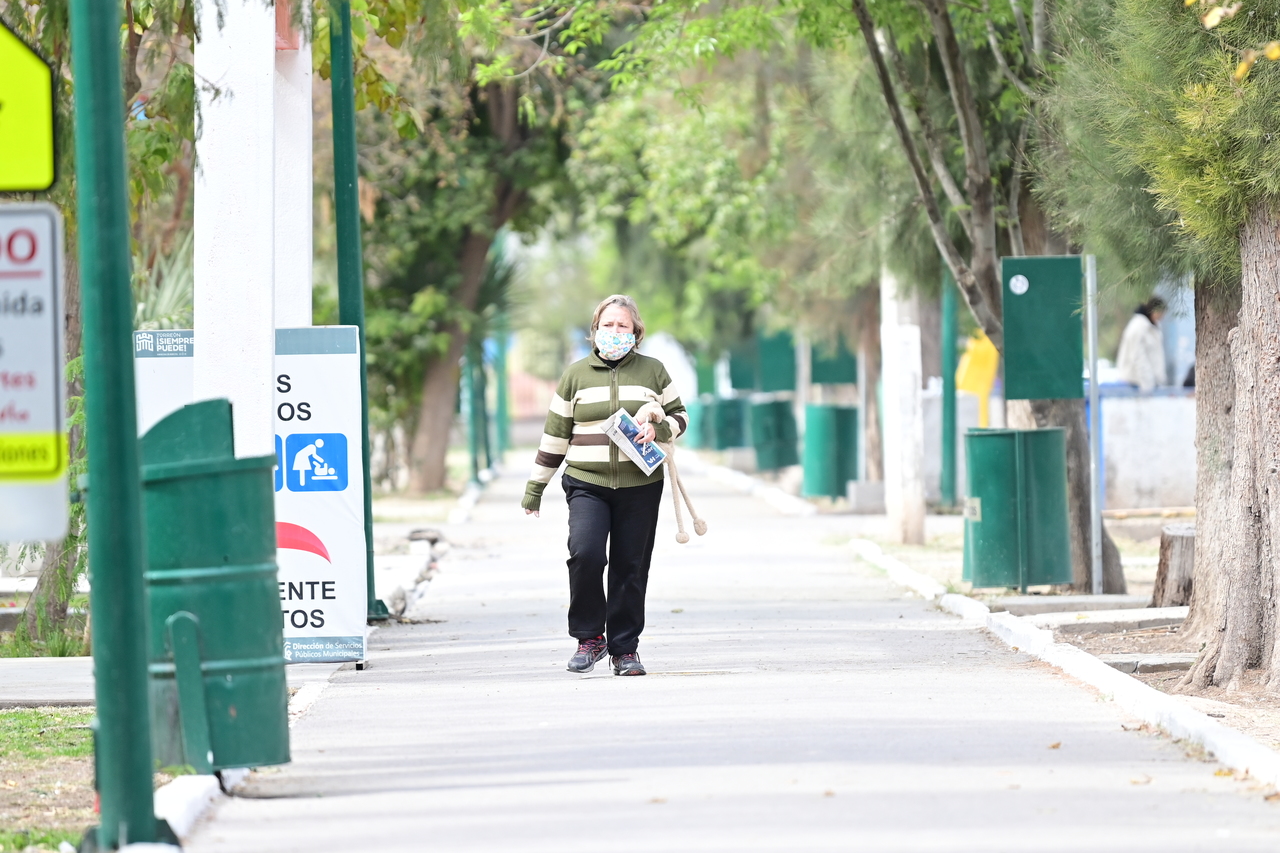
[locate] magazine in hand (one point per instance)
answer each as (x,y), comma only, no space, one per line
(623,429)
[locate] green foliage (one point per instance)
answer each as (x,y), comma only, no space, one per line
(164,297)
(1166,100)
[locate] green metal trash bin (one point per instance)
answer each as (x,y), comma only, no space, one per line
(773,435)
(830,449)
(218,691)
(729,423)
(1015,529)
(696,411)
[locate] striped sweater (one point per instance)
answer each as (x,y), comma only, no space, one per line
(590,391)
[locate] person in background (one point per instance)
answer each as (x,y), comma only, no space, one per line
(613,505)
(1141,357)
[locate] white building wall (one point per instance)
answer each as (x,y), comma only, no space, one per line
(1148,447)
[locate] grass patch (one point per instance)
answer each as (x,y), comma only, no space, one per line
(37,839)
(36,734)
(46,777)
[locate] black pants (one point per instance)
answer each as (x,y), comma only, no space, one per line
(625,520)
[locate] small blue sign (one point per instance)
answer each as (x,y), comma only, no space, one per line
(279,464)
(316,462)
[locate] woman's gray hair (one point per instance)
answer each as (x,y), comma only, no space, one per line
(626,302)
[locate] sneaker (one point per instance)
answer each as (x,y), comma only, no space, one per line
(589,651)
(628,664)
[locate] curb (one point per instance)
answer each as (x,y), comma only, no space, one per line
(187,799)
(1228,746)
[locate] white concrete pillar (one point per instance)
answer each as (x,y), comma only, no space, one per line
(234,216)
(903,439)
(293,193)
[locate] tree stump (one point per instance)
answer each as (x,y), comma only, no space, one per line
(1177,565)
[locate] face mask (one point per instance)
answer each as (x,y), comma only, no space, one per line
(613,346)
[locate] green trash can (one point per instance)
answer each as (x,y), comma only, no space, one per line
(729,424)
(696,412)
(1015,529)
(218,692)
(773,435)
(830,449)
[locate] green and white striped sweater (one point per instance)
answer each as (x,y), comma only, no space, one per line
(590,391)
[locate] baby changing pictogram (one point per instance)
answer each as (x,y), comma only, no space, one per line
(316,462)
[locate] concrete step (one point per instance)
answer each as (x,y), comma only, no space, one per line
(1134,663)
(1110,621)
(1030,605)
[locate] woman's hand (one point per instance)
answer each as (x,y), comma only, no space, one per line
(532,512)
(647,433)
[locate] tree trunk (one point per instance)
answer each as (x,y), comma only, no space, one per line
(1175,577)
(427,466)
(1069,414)
(1242,619)
(867,333)
(46,610)
(1217,312)
(47,607)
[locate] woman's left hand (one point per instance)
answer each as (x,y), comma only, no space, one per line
(647,433)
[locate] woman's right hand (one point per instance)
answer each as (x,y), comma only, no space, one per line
(535,513)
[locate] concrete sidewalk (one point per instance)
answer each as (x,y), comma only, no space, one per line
(796,702)
(34,682)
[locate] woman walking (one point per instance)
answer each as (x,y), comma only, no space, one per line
(613,505)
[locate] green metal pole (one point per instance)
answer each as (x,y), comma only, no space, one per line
(502,410)
(350,254)
(117,558)
(949,358)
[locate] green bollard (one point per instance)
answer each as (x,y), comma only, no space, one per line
(216,644)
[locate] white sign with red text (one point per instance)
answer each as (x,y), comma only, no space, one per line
(33,443)
(320,494)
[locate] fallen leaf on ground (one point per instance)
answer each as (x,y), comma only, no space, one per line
(1055,745)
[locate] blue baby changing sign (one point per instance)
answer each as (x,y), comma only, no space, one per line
(316,462)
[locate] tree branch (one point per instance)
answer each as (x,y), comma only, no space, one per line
(930,134)
(982,310)
(1015,192)
(1020,20)
(1039,30)
(977,165)
(993,39)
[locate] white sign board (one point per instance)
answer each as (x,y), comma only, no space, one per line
(319,478)
(320,494)
(33,443)
(164,374)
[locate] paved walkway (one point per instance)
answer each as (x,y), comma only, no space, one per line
(796,702)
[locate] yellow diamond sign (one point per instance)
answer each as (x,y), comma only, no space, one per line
(26,117)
